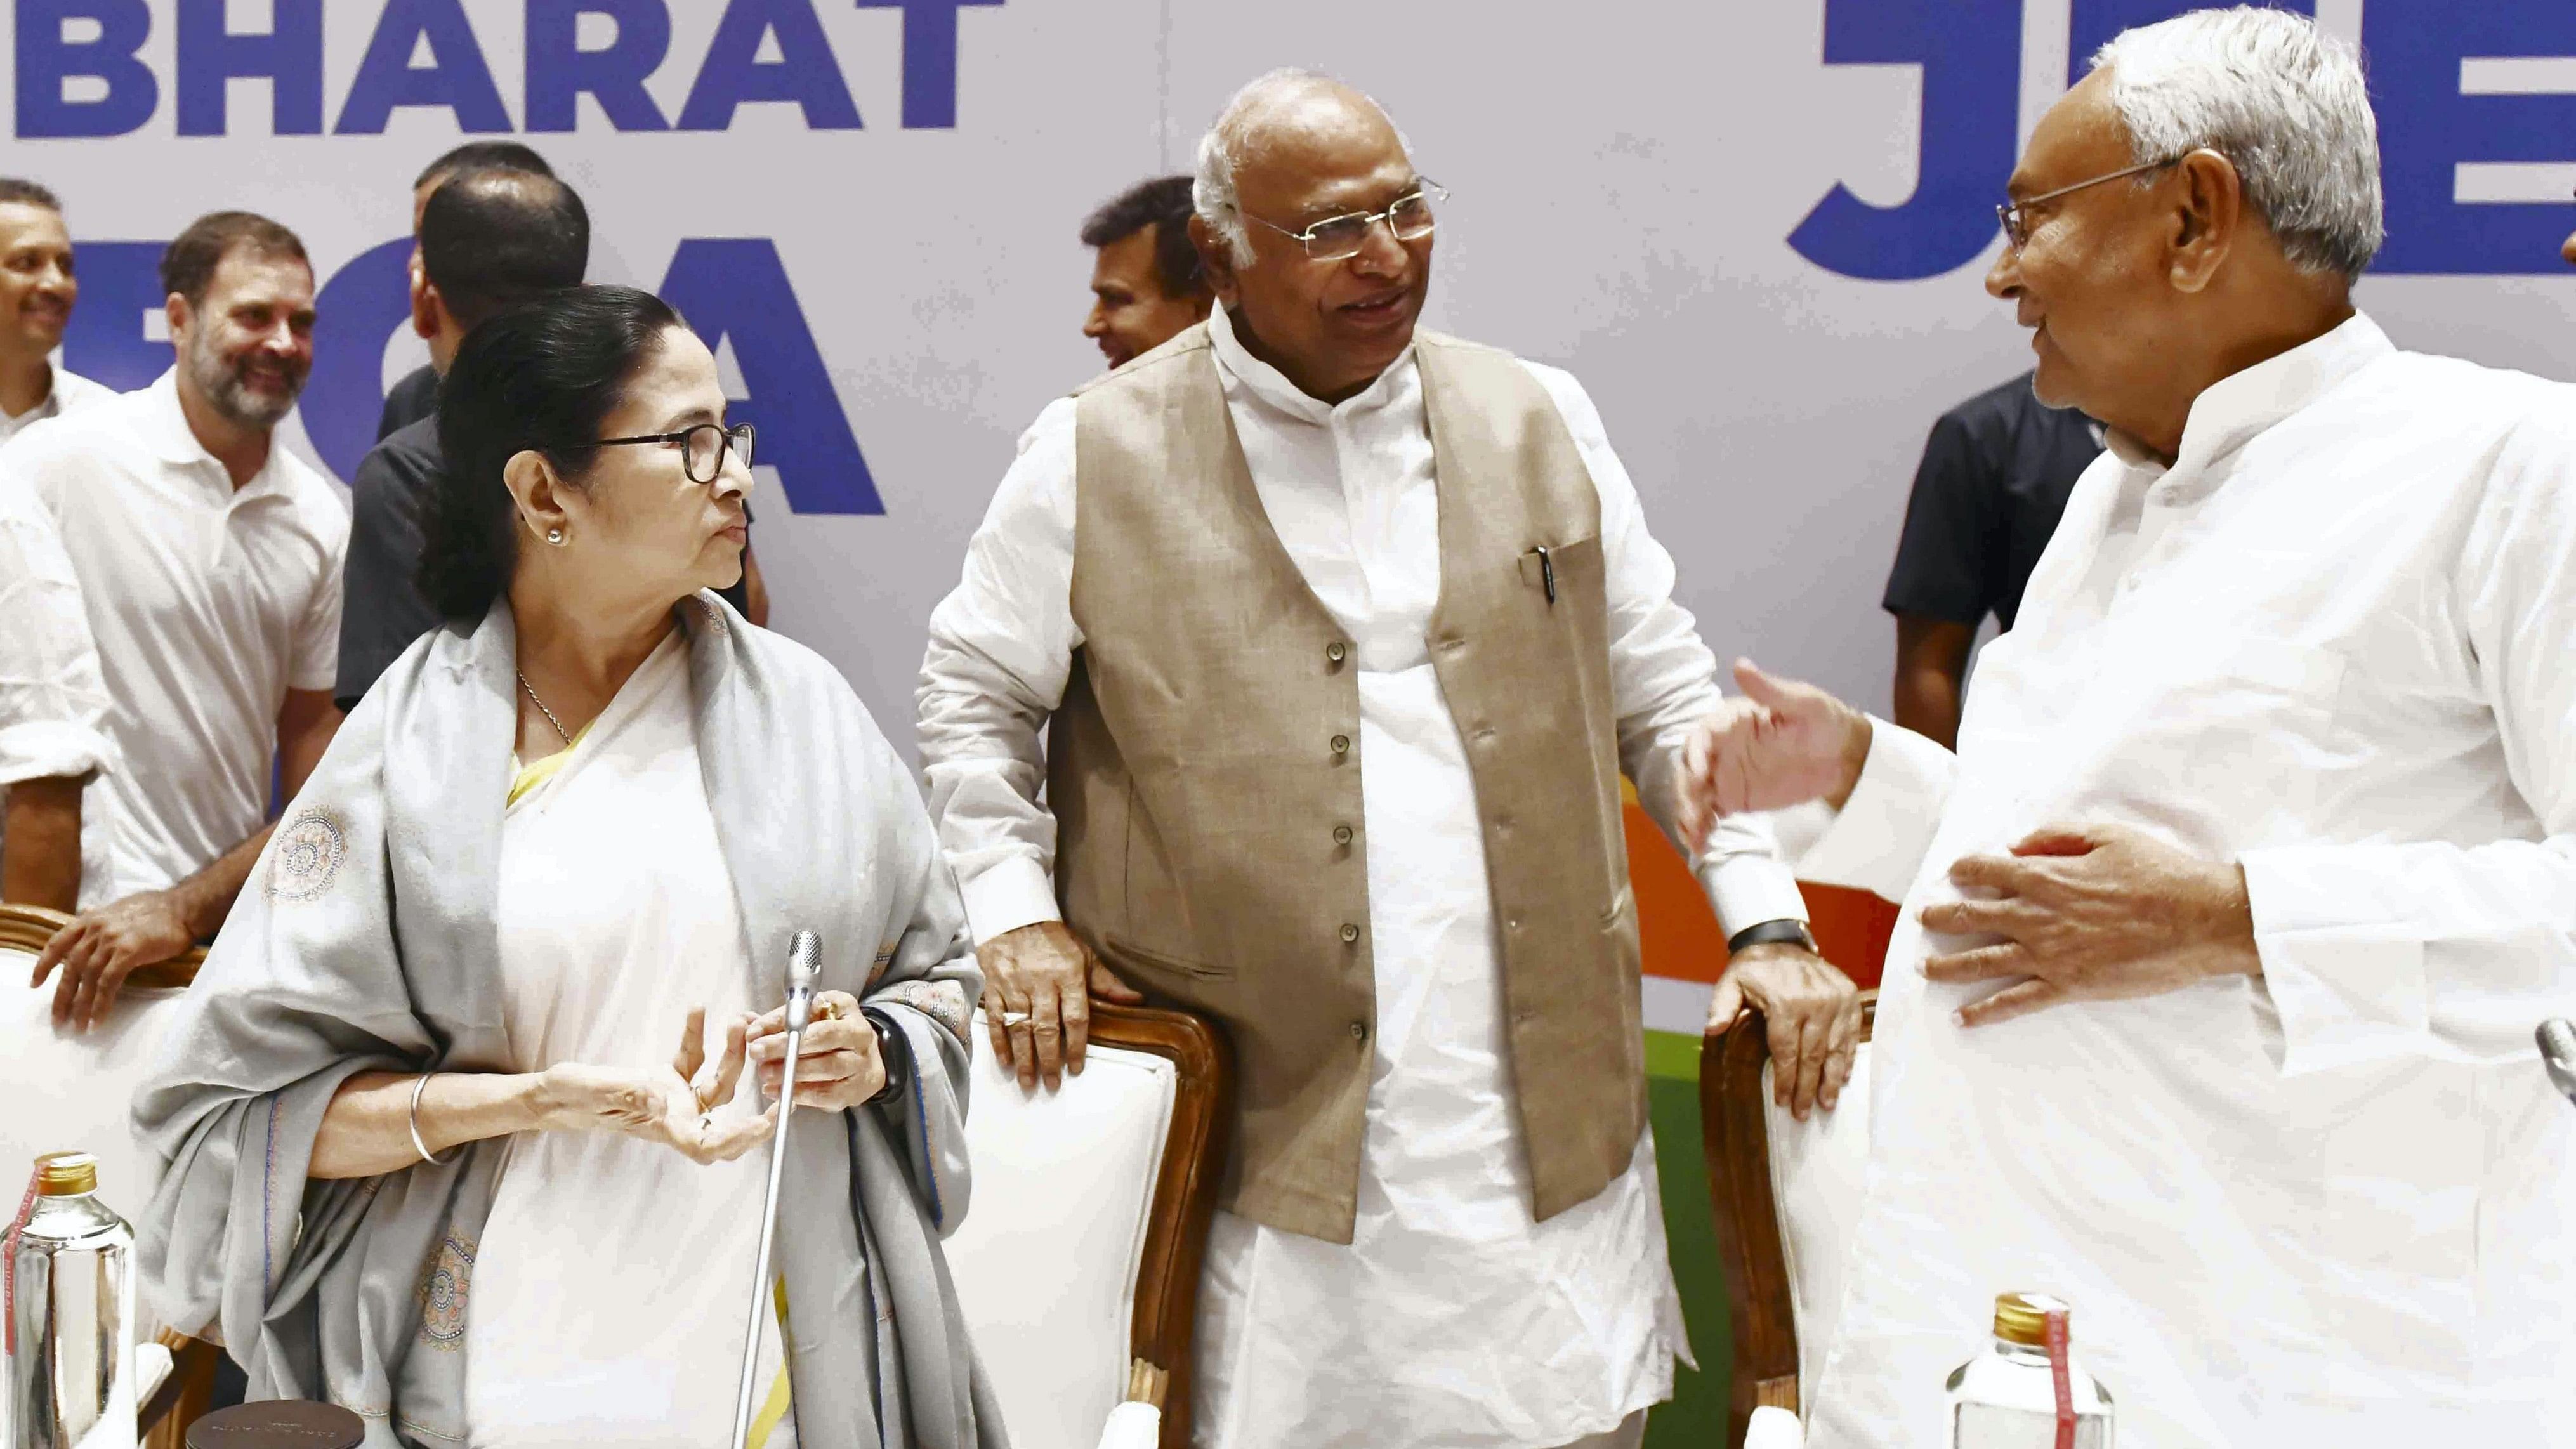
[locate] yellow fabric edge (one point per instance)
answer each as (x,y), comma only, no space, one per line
(774,1408)
(530,777)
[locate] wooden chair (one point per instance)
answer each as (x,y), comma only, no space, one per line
(1781,1192)
(1078,1262)
(52,1080)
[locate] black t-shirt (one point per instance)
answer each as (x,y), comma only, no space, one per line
(413,398)
(1992,485)
(381,610)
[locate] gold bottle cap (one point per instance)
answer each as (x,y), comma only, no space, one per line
(2023,1317)
(66,1174)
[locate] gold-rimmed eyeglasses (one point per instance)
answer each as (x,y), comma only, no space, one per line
(2017,226)
(1339,238)
(702,448)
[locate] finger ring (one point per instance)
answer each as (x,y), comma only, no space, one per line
(1015,1018)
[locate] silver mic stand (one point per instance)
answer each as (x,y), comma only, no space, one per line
(804,960)
(2558,1054)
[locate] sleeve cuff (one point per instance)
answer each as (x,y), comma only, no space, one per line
(1006,895)
(2348,981)
(1750,889)
(1877,841)
(46,749)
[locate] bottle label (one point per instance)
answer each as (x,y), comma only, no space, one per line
(2057,1377)
(9,1263)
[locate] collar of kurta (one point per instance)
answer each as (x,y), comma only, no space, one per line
(166,432)
(1274,389)
(2232,411)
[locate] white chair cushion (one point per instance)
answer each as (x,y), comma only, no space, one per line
(1817,1171)
(66,1091)
(1046,1261)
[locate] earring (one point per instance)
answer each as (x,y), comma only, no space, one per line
(554,536)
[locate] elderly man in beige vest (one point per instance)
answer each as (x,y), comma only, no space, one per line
(1346,633)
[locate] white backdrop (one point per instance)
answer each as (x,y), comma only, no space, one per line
(1626,175)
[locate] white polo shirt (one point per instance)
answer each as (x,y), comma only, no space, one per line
(207,603)
(71,392)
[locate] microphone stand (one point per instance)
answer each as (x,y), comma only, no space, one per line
(804,959)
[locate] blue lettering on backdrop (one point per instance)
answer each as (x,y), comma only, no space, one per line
(805,72)
(354,315)
(1970,54)
(736,288)
(119,282)
(929,59)
(2427,128)
(289,55)
(456,76)
(45,60)
(559,70)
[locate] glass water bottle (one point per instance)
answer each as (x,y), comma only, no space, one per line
(71,1316)
(2006,1397)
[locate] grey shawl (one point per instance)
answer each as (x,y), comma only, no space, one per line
(366,939)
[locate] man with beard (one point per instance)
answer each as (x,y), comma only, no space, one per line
(208,560)
(1344,633)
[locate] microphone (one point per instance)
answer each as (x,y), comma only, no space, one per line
(804,963)
(2558,1053)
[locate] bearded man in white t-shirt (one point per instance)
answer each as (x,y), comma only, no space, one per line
(208,561)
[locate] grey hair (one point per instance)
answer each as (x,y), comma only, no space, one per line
(2283,101)
(1234,139)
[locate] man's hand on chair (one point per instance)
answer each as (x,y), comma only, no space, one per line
(1811,1012)
(1038,984)
(99,949)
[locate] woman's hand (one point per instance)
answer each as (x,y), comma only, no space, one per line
(840,1065)
(670,1107)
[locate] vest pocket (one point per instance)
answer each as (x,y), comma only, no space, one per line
(1120,952)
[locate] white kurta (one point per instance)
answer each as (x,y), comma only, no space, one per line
(1452,1318)
(610,1282)
(2330,1206)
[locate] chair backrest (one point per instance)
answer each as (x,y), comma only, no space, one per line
(1080,1253)
(65,1090)
(1785,1195)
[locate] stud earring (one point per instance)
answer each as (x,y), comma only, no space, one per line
(554,536)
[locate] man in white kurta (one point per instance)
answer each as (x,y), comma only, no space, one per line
(2264,819)
(1451,1317)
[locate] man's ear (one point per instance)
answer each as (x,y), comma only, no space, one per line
(174,310)
(2207,218)
(425,304)
(1216,261)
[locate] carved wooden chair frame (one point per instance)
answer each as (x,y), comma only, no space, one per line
(1736,1137)
(1167,1275)
(190,1387)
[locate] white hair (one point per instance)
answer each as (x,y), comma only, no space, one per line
(1235,138)
(2283,101)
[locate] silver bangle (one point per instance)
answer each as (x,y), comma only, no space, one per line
(416,1144)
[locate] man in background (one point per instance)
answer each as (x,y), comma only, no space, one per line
(1991,487)
(52,707)
(1145,280)
(488,241)
(208,561)
(37,290)
(416,395)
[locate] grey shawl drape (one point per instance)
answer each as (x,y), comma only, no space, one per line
(366,939)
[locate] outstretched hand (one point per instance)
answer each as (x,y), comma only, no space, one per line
(672,1106)
(1779,743)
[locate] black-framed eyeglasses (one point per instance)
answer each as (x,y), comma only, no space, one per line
(1339,238)
(702,448)
(2017,226)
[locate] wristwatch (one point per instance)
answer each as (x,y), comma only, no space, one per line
(1787,929)
(895,1050)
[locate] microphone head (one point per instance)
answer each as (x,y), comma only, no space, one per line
(804,960)
(2558,1053)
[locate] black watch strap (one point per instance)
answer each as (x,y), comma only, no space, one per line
(895,1050)
(1786,929)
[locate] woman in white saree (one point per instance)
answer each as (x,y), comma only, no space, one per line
(430,1152)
